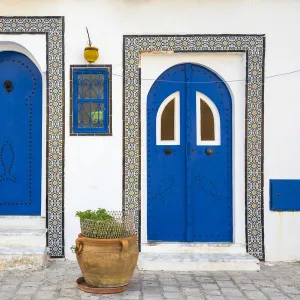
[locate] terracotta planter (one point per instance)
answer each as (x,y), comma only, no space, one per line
(107,263)
(91,54)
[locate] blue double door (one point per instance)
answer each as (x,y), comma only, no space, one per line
(189,156)
(20,135)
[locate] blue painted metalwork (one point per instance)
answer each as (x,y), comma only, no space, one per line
(90,100)
(21,135)
(189,193)
(285,194)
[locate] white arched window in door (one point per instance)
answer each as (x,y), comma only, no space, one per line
(208,121)
(168,121)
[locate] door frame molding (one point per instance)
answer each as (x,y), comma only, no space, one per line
(254,48)
(53,29)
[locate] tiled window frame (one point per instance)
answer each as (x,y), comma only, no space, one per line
(53,29)
(253,46)
(89,66)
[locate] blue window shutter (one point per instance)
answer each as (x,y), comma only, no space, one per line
(91,101)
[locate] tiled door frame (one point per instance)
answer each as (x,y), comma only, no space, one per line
(254,48)
(53,29)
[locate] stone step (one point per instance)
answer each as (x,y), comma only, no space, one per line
(197,262)
(22,222)
(172,247)
(22,258)
(22,238)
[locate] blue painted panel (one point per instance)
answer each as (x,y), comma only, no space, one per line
(189,192)
(285,195)
(166,172)
(21,136)
(211,175)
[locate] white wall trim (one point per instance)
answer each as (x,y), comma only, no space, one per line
(216,116)
(176,97)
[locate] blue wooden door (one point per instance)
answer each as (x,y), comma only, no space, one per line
(21,135)
(189,157)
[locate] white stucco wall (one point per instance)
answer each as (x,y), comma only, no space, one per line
(93,173)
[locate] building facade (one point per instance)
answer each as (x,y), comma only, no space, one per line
(196,101)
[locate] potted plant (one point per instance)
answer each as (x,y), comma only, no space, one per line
(106,250)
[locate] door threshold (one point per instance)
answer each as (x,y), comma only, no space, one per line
(184,247)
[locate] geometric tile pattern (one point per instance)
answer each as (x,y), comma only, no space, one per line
(254,48)
(53,28)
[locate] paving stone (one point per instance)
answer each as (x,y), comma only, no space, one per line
(134,287)
(191,291)
(131,295)
(231,292)
(151,290)
(172,295)
(168,281)
(152,297)
(247,286)
(6,296)
(242,279)
(215,298)
(205,279)
(188,284)
(280,297)
(44,295)
(103,297)
(195,297)
(209,286)
(235,298)
(226,284)
(68,292)
(27,290)
(49,287)
(31,284)
(221,276)
(289,289)
(263,283)
(65,298)
(255,295)
(212,292)
(20,297)
(183,277)
(149,277)
(170,288)
(8,287)
(150,284)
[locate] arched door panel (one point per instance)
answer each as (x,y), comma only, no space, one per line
(189,176)
(21,135)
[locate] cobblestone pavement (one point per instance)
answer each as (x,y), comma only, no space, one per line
(57,282)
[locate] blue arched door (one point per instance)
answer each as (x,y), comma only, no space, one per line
(21,135)
(189,156)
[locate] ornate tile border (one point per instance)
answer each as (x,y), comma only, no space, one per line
(53,28)
(254,48)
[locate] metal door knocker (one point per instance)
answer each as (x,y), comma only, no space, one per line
(168,151)
(8,85)
(209,151)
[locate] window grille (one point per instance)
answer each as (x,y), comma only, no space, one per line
(91,100)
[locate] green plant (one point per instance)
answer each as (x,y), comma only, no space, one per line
(102,225)
(73,248)
(98,215)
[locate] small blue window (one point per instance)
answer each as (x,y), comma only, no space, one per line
(91,100)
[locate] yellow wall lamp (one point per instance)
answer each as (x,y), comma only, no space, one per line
(91,53)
